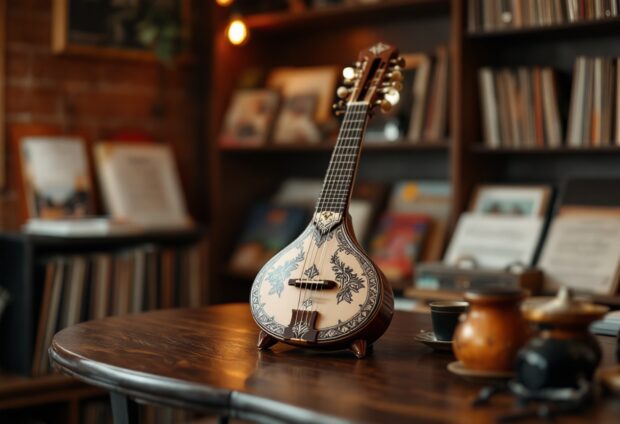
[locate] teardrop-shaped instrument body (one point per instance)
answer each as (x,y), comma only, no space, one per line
(354,305)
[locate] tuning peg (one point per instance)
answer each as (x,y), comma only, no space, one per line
(339,108)
(392,96)
(342,92)
(399,61)
(395,75)
(397,85)
(385,105)
(349,73)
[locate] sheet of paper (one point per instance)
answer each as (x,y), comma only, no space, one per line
(582,252)
(141,184)
(495,241)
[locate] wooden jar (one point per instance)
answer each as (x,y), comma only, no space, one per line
(490,335)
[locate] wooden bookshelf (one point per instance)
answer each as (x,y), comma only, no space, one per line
(238,177)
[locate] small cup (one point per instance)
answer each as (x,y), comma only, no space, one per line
(445,318)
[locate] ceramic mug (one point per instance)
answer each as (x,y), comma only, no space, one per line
(445,317)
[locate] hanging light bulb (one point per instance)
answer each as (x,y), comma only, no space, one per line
(237,32)
(224,3)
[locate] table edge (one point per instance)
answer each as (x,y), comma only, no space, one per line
(179,393)
(162,389)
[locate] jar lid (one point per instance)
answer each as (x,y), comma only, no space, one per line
(563,309)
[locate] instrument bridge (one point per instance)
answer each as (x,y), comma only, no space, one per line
(312,284)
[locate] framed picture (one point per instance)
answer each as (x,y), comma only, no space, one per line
(250,117)
(511,200)
(141,185)
(319,82)
(56,177)
(582,251)
(296,121)
(131,29)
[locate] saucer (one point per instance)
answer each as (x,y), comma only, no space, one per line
(429,339)
(457,368)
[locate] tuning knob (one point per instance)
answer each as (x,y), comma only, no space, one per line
(348,73)
(385,105)
(392,96)
(396,85)
(339,107)
(399,61)
(342,92)
(395,75)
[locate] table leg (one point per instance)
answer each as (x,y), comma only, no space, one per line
(124,410)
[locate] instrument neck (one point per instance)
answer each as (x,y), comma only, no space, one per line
(338,182)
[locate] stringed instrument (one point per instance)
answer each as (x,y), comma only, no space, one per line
(322,290)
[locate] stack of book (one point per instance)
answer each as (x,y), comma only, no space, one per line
(422,112)
(83,287)
(496,15)
(591,120)
(520,107)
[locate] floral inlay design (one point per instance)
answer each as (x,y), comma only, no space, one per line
(348,280)
(307,304)
(300,328)
(368,305)
(279,274)
(312,272)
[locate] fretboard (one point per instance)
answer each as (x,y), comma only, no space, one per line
(343,164)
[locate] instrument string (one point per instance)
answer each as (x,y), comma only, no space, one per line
(337,186)
(345,129)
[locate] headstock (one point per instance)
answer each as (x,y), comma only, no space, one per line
(376,79)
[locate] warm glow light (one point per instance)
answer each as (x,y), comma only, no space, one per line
(237,32)
(224,2)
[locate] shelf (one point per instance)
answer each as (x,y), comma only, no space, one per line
(585,28)
(329,146)
(59,243)
(484,150)
(341,15)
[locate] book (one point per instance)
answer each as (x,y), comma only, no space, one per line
(101,286)
(494,15)
(432,199)
(520,107)
(437,115)
(397,244)
(489,106)
(420,94)
(582,251)
(56,178)
(591,120)
(50,314)
(494,241)
(49,291)
(140,185)
(267,230)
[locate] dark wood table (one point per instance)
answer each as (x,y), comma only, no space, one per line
(205,359)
